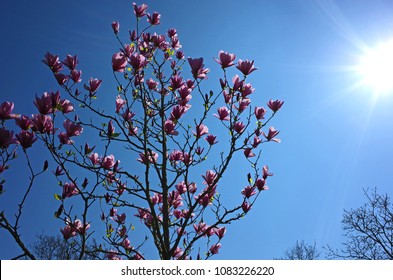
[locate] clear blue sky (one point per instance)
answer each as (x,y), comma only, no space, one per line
(336,137)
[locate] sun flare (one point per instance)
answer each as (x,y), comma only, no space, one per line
(376,68)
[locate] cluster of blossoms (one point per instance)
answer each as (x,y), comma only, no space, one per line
(152,99)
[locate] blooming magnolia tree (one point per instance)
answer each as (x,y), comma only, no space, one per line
(167,181)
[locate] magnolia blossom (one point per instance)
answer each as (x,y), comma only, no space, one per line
(5,110)
(53,62)
(26,138)
(211,139)
(246,206)
(201,130)
(150,158)
(246,67)
(119,62)
(93,86)
(169,128)
(154,19)
(275,105)
(248,191)
(225,59)
(119,103)
(108,162)
(214,248)
(71,62)
(259,112)
(197,70)
(69,189)
(6,138)
(115,26)
(271,134)
(223,113)
(139,11)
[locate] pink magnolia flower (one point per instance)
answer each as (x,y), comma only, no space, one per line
(53,62)
(256,142)
(197,70)
(259,113)
(225,59)
(172,32)
(115,26)
(42,124)
(108,162)
(211,139)
(275,105)
(200,228)
(246,206)
(220,232)
(246,90)
(243,104)
(177,253)
(156,198)
(26,138)
(210,177)
(127,244)
(271,134)
(66,106)
(75,75)
(265,172)
(239,127)
(69,189)
(248,152)
(246,67)
(138,61)
(111,129)
(5,110)
(174,199)
(177,112)
(119,103)
(201,130)
(181,187)
(237,83)
(61,78)
(119,62)
(150,158)
(67,232)
(261,184)
(151,84)
(120,219)
(71,62)
(94,158)
(175,156)
(214,248)
(169,128)
(23,122)
(93,86)
(6,138)
(154,19)
(223,113)
(112,255)
(45,104)
(139,11)
(175,44)
(248,191)
(72,129)
(176,82)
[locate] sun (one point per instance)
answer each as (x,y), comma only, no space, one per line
(376,68)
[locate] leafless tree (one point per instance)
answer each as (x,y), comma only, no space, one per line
(301,251)
(368,230)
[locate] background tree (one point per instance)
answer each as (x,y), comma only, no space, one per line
(301,251)
(162,177)
(368,230)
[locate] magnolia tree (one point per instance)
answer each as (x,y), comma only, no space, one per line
(169,184)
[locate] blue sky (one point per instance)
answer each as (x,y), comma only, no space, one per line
(336,136)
